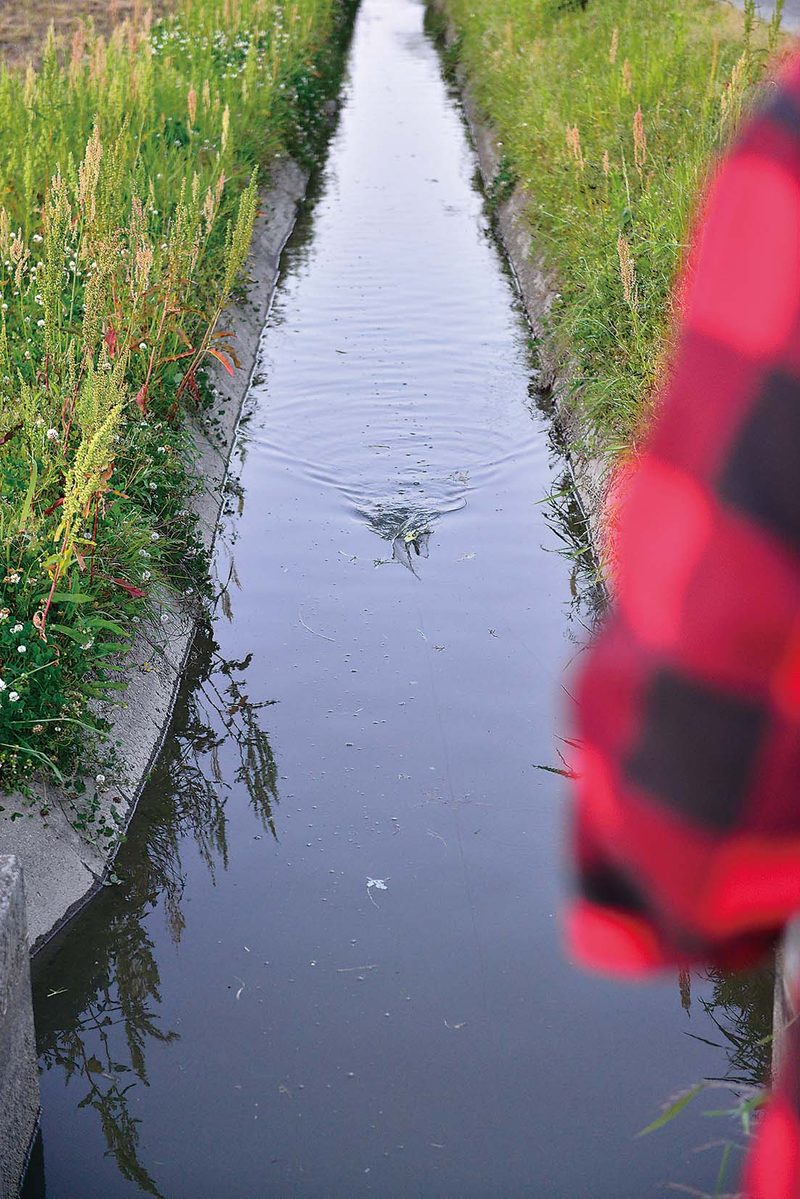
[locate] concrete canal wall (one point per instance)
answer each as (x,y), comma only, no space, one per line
(19,1081)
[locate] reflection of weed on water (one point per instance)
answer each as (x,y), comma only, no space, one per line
(98,1014)
(568,521)
(740,1008)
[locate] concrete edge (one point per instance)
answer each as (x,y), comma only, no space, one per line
(63,869)
(19,1076)
(538,288)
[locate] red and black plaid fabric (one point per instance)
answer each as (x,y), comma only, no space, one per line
(688,703)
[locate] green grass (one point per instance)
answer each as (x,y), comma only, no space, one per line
(127,200)
(609,114)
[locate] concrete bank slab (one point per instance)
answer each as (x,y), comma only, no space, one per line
(19,1078)
(62,868)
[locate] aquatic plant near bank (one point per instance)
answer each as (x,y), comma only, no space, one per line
(129,194)
(608,115)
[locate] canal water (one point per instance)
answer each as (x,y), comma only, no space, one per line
(332,963)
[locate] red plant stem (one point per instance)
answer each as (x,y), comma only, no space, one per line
(94,536)
(56,577)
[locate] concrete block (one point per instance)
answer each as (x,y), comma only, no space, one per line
(19,1079)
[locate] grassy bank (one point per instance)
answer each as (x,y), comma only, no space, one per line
(609,113)
(128,176)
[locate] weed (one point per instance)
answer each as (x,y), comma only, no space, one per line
(609,114)
(129,194)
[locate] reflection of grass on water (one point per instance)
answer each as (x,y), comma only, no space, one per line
(96,1013)
(740,1009)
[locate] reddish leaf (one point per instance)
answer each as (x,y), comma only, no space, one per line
(221,358)
(49,511)
(110,339)
(136,592)
(141,399)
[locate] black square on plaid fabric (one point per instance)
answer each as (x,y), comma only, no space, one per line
(783,110)
(696,749)
(762,475)
(608,887)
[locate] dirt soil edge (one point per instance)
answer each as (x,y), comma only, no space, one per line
(63,870)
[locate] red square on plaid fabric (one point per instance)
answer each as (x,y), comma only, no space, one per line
(665,524)
(739,609)
(711,389)
(748,299)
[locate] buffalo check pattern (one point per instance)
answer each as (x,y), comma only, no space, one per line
(687,825)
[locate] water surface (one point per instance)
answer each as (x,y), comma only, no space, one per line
(332,966)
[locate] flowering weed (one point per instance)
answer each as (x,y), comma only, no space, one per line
(129,193)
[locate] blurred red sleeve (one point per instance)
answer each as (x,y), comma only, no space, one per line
(687,823)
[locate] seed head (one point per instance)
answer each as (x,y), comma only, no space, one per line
(614,47)
(574,145)
(627,271)
(639,139)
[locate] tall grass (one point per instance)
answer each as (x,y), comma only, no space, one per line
(128,196)
(609,113)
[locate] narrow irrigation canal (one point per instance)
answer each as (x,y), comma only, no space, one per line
(332,964)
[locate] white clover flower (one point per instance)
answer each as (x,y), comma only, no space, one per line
(88,644)
(100,779)
(13,577)
(3,684)
(37,237)
(153,486)
(146,575)
(40,324)
(155,537)
(52,435)
(17,628)
(22,649)
(13,697)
